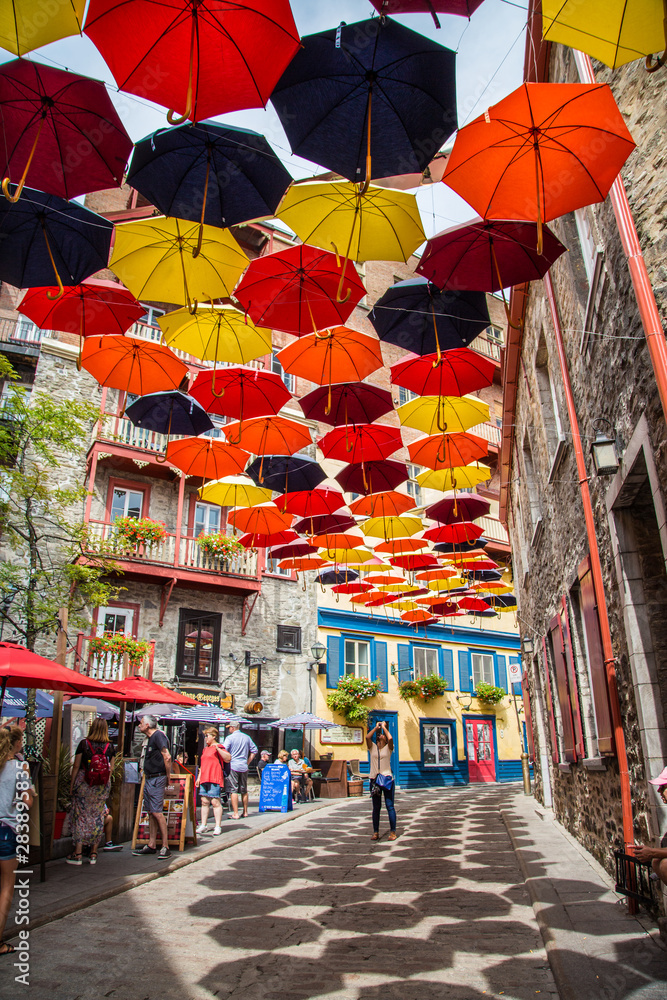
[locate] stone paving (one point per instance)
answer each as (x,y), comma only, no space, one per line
(314,909)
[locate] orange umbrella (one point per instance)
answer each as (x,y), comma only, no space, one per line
(397,546)
(132,365)
(447,451)
(264,519)
(206,458)
(385,578)
(388,504)
(436,574)
(269,435)
(418,616)
(337,541)
(543,151)
(364,598)
(314,562)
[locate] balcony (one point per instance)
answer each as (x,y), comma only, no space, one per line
(489,348)
(489,431)
(108,666)
(494,531)
(21,336)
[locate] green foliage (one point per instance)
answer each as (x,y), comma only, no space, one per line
(117,644)
(220,545)
(489,693)
(140,530)
(426,688)
(347,699)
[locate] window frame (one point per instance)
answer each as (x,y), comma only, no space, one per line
(357,642)
(195,502)
(444,723)
(432,649)
(488,653)
(298,632)
(186,617)
(275,366)
(127,484)
(119,606)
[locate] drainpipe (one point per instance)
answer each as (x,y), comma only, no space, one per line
(596,572)
(648,309)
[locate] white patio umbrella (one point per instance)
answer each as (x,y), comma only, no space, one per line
(303,720)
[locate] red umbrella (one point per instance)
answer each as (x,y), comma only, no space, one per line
(311,503)
(473,604)
(464,8)
(414,560)
(21,668)
(351,403)
(480,564)
(269,436)
(377,602)
(401,546)
(140,689)
(261,540)
(374,477)
(203,59)
(367,443)
(460,531)
(352,588)
(93,307)
(324,523)
(292,550)
(388,504)
(454,373)
(295,290)
(240,392)
(461,506)
(60,130)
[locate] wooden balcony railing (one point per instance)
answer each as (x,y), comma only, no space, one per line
(493,529)
(489,348)
(108,666)
(20,331)
(489,431)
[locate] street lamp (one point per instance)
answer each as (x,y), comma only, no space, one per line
(604,450)
(527,644)
(318,651)
(463,705)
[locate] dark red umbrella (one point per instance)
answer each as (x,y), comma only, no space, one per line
(351,403)
(367,443)
(324,523)
(416,560)
(443,608)
(295,290)
(259,540)
(460,531)
(309,503)
(375,477)
(241,393)
(453,373)
(60,131)
(464,8)
(141,690)
(457,507)
(292,550)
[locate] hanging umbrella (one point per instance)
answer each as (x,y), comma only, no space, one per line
(462,477)
(303,564)
(464,8)
(60,130)
(169,413)
(438,606)
(335,356)
(310,503)
(367,110)
(443,413)
(414,560)
(482,564)
(209,173)
(465,507)
(418,617)
(351,403)
(441,573)
(324,523)
(295,290)
(206,458)
(377,600)
(234,491)
(401,588)
(201,59)
(473,604)
(141,690)
(261,540)
(350,588)
(93,307)
(367,443)
(388,504)
(392,527)
(170,260)
(264,518)
(454,373)
(132,365)
(613,31)
(337,540)
(545,150)
(43,237)
(240,392)
(505,601)
(418,317)
(442,451)
(401,546)
(384,578)
(269,436)
(287,474)
(24,27)
(373,477)
(459,531)
(349,557)
(292,550)
(215,333)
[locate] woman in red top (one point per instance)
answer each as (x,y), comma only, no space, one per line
(211,780)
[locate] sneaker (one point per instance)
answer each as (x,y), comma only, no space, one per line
(110,846)
(93,859)
(164,852)
(144,850)
(202,828)
(73,859)
(217,831)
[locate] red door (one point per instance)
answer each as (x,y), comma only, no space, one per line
(479,739)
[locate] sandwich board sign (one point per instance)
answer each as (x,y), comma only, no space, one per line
(276,792)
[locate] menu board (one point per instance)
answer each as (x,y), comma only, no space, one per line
(341,735)
(178,811)
(276,792)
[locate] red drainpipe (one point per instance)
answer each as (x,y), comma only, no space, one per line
(596,571)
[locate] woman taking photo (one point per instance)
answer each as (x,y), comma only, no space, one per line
(382,780)
(13,772)
(89,785)
(211,780)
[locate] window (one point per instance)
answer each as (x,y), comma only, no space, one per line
(26,331)
(288,379)
(198,645)
(126,503)
(289,639)
(413,488)
(405,395)
(587,241)
(115,620)
(207,519)
(273,567)
(425,660)
(437,746)
(357,658)
(532,488)
(482,668)
(549,404)
(152,315)
(495,334)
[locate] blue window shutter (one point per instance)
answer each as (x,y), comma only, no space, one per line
(446,659)
(381,665)
(334,660)
(465,679)
(404,671)
(516,688)
(501,671)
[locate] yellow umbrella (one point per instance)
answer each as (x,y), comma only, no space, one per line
(462,477)
(613,31)
(433,414)
(351,557)
(403,605)
(26,25)
(234,491)
(446,583)
(392,527)
(156,260)
(398,588)
(216,333)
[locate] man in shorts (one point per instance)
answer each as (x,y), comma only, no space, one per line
(242,749)
(157,775)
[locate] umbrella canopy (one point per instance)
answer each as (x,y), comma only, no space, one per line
(269,436)
(388,504)
(234,491)
(334,356)
(367,443)
(351,588)
(211,173)
(305,503)
(21,668)
(392,527)
(373,477)
(14,703)
(206,458)
(349,557)
(461,548)
(463,477)
(454,373)
(473,604)
(215,333)
(140,689)
(342,578)
(367,110)
(510,163)
(261,540)
(132,365)
(414,560)
(464,8)
(171,260)
(286,474)
(465,507)
(487,255)
(201,59)
(445,451)
(295,290)
(418,317)
(304,719)
(351,403)
(204,713)
(323,523)
(104,709)
(459,531)
(93,307)
(419,616)
(443,413)
(292,550)
(337,540)
(169,413)
(613,31)
(45,237)
(265,518)
(240,392)
(22,31)
(303,563)
(400,546)
(49,119)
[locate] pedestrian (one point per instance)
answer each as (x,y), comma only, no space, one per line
(264,759)
(211,780)
(382,779)
(108,827)
(157,775)
(300,767)
(242,750)
(657,855)
(15,788)
(89,787)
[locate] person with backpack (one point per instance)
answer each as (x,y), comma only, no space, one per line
(89,785)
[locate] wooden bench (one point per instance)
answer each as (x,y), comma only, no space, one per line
(333,783)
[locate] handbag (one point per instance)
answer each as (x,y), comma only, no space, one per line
(382,781)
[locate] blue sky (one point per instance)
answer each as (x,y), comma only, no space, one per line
(489,66)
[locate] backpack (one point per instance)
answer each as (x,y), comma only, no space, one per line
(98,769)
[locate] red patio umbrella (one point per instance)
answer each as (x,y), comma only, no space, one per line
(240,392)
(19,667)
(373,477)
(457,506)
(143,691)
(455,373)
(311,503)
(367,443)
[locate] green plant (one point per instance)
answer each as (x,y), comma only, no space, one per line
(489,693)
(140,530)
(426,688)
(63,795)
(219,545)
(117,643)
(347,698)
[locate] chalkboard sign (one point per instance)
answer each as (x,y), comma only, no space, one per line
(276,792)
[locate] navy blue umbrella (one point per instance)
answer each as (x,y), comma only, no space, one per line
(43,238)
(13,705)
(210,173)
(286,474)
(169,413)
(418,317)
(462,547)
(330,576)
(378,70)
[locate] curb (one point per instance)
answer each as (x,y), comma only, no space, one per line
(174,866)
